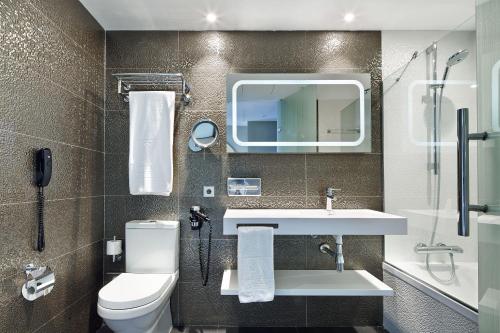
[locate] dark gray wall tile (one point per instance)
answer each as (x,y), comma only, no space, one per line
(77,23)
(197,170)
(124,208)
(79,317)
(142,49)
(346,202)
(34,44)
(266,202)
(354,174)
(51,60)
(199,305)
(69,224)
(281,312)
(210,87)
(117,174)
(343,49)
(117,132)
(248,49)
(344,311)
(34,105)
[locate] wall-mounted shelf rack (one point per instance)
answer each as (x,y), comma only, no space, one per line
(153,81)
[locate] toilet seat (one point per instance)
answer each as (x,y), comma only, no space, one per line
(131,290)
(132,295)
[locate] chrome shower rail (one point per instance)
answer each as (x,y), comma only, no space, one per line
(153,81)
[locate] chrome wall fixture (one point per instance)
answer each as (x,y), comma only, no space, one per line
(245,187)
(39,282)
(153,81)
(438,248)
(204,134)
(463,171)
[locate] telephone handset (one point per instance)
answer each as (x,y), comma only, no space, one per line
(197,218)
(43,174)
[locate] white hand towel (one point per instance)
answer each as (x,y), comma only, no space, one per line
(255,264)
(151,142)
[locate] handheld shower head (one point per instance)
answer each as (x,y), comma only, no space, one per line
(457,57)
(453,60)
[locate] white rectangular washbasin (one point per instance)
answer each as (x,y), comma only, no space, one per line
(317,221)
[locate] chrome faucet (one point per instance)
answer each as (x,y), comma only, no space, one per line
(337,254)
(330,196)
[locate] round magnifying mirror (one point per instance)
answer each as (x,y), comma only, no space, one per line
(203,135)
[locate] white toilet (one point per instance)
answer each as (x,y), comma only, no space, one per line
(138,301)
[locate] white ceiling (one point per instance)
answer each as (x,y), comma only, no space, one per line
(281,14)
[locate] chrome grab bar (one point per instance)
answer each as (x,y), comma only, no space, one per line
(463,171)
(438,248)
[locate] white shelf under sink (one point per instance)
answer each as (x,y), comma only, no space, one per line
(316,283)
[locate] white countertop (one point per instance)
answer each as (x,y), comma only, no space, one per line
(317,221)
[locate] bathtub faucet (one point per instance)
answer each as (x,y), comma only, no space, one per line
(337,254)
(438,248)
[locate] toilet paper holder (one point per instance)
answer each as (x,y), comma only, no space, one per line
(39,281)
(114,249)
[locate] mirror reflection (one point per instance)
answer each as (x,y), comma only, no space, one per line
(288,113)
(203,135)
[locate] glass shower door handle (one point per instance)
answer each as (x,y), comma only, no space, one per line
(464,207)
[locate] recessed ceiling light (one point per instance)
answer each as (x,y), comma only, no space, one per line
(211,17)
(349,17)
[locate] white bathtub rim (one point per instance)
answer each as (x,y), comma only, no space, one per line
(432,292)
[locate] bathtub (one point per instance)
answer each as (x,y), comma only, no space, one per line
(461,295)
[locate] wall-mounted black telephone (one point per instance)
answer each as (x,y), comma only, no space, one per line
(43,173)
(197,218)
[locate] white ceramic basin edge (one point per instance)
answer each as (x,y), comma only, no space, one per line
(317,221)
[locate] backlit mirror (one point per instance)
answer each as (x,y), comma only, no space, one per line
(294,113)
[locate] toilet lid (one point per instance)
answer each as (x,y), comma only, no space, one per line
(131,290)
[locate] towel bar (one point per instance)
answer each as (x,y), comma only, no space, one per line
(274,225)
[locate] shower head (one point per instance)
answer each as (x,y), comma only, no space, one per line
(457,57)
(452,61)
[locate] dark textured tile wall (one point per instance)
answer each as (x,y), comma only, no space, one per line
(52,79)
(289,181)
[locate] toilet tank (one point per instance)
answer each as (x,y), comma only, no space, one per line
(152,246)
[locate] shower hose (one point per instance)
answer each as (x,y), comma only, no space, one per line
(437,205)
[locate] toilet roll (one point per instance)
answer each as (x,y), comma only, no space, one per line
(114,247)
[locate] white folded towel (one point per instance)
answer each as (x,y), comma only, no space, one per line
(255,264)
(151,142)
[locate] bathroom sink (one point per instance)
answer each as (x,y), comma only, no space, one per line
(317,221)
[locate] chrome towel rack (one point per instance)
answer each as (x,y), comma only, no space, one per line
(153,81)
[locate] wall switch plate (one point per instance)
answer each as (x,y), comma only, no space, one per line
(208,191)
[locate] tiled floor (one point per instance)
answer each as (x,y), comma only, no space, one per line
(200,329)
(279,330)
